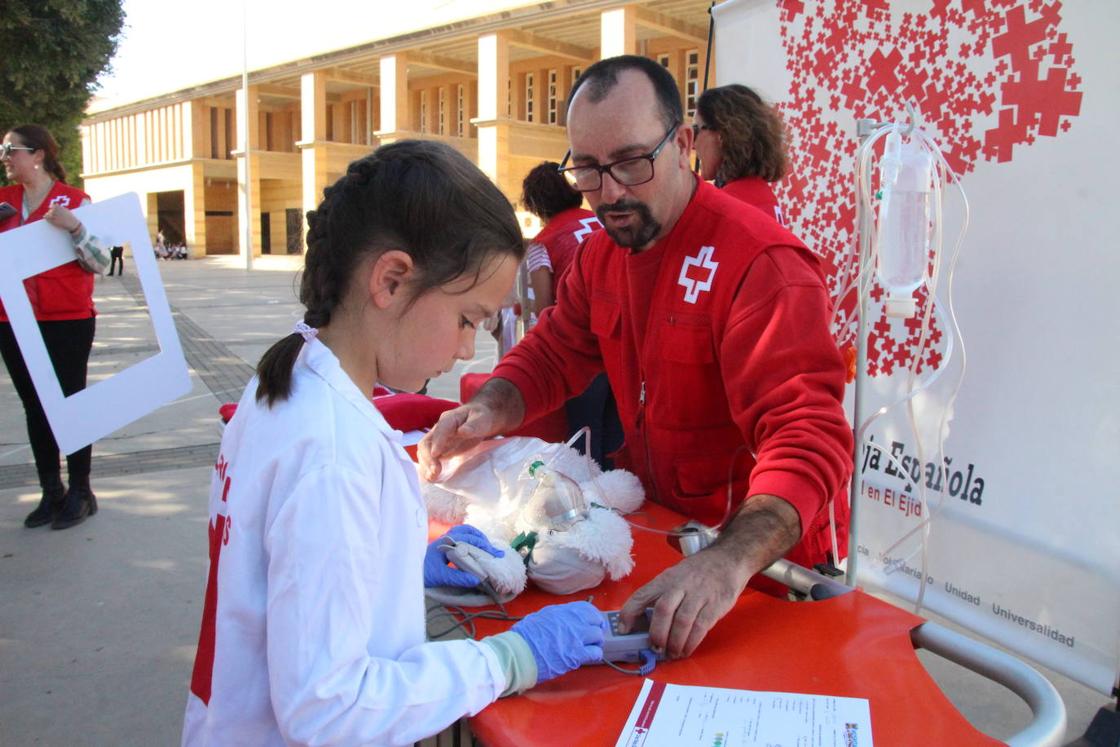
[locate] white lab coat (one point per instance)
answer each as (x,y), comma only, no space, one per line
(318,618)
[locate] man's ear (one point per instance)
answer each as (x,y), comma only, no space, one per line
(684,141)
(392,270)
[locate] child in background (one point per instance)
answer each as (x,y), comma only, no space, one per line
(313,624)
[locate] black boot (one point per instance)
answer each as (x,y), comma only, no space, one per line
(78,504)
(49,504)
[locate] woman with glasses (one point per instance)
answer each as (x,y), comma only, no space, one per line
(740,142)
(62,300)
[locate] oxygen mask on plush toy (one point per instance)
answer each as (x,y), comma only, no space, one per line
(553,507)
(556,502)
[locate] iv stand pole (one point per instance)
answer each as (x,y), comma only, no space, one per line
(864,129)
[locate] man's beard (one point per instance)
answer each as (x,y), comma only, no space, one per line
(639,233)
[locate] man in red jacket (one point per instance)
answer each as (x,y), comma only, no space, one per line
(712,323)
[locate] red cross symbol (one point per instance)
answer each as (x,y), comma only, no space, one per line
(697,273)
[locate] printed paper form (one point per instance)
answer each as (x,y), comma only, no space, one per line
(684,716)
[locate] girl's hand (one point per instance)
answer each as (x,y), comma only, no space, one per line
(437,568)
(61,217)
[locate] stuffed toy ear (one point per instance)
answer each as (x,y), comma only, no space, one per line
(617,489)
(505,575)
(603,538)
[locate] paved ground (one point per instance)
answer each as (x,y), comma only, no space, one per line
(98,624)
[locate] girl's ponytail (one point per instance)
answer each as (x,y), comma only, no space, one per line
(274,371)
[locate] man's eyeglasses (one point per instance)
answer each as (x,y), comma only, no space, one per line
(7,148)
(629,172)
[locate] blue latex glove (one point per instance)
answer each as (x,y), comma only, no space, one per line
(437,571)
(563,637)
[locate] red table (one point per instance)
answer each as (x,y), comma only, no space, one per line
(853,645)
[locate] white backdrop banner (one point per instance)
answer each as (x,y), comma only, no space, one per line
(1024,98)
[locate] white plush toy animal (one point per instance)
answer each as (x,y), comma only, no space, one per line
(541,501)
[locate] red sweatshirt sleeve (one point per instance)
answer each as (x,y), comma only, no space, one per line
(560,355)
(787,395)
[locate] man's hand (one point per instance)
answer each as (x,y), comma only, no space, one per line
(688,599)
(691,597)
(455,432)
(496,408)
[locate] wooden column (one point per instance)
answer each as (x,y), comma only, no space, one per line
(151,212)
(194,211)
(618,32)
(396,116)
(493,123)
(248,172)
(313,130)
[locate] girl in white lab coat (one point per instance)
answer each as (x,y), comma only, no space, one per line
(313,623)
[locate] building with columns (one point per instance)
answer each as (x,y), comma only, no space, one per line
(493,87)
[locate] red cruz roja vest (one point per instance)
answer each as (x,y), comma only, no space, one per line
(63,292)
(686,391)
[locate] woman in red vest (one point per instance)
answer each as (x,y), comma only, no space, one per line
(62,299)
(741,145)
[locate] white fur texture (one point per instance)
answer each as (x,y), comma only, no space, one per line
(617,489)
(603,537)
(489,487)
(507,573)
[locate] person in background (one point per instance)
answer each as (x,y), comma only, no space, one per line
(547,195)
(740,142)
(116,259)
(313,627)
(62,300)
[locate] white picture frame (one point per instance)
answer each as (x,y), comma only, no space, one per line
(127,396)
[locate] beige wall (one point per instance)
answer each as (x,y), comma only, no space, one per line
(277,196)
(221,221)
(165,179)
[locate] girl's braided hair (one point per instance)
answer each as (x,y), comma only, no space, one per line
(417,196)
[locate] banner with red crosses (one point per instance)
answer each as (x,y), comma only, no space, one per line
(1023,97)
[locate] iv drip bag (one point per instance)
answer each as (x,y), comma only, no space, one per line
(906,171)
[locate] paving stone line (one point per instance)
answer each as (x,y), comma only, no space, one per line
(116,465)
(138,349)
(223,372)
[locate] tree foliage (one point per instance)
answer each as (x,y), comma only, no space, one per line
(51,54)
